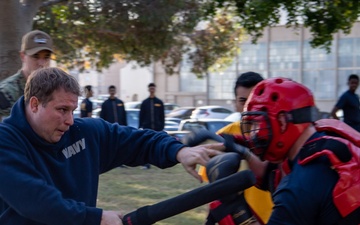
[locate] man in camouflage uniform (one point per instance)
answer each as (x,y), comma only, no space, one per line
(35,53)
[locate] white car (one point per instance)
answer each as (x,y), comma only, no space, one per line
(132,105)
(185,126)
(212,112)
(233,117)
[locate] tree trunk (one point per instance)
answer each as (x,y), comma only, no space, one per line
(16,19)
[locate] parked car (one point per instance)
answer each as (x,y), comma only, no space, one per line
(96,113)
(181,113)
(212,111)
(187,125)
(233,117)
(132,116)
(176,120)
(132,105)
(171,125)
(168,107)
(212,125)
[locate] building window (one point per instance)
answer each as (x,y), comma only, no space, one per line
(349,52)
(322,83)
(317,58)
(190,83)
(253,57)
(284,55)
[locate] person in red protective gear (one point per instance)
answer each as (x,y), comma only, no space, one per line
(316,186)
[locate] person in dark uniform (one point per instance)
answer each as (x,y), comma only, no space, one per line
(152,113)
(86,104)
(113,110)
(35,53)
(349,103)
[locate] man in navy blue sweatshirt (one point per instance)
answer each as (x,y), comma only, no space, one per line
(50,162)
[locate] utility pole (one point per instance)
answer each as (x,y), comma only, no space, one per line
(207,87)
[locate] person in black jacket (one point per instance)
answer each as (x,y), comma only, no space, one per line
(113,110)
(152,113)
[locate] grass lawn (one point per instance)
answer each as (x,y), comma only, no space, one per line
(127,189)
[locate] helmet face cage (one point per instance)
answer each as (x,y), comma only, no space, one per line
(256,128)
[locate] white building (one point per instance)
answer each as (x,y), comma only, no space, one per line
(280,52)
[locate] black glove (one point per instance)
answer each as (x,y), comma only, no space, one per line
(199,136)
(231,146)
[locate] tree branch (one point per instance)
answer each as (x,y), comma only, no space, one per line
(108,32)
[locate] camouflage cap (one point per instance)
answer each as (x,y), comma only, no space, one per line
(35,41)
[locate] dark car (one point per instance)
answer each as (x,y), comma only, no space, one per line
(132,116)
(168,107)
(181,113)
(186,126)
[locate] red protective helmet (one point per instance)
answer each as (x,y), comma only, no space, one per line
(270,100)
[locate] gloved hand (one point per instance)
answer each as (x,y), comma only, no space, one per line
(231,146)
(201,136)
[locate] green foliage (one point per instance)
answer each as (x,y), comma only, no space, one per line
(145,31)
(91,32)
(94,31)
(322,17)
(217,45)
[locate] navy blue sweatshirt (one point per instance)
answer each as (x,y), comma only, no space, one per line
(57,184)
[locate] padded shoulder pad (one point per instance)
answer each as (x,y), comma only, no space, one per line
(338,128)
(339,148)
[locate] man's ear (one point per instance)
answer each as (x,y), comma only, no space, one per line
(34,104)
(282,121)
(22,56)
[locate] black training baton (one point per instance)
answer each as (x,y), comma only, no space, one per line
(150,214)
